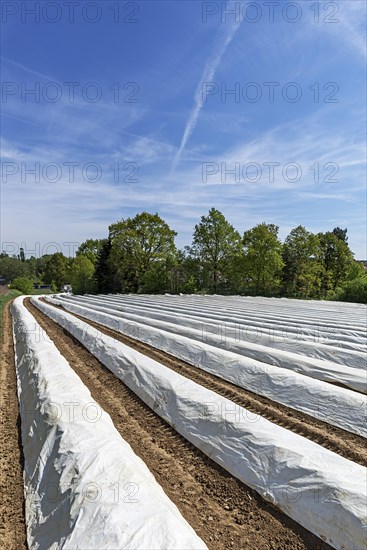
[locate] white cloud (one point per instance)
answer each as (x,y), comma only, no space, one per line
(224,38)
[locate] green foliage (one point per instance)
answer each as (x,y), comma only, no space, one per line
(354,291)
(356,271)
(56,270)
(317,266)
(136,244)
(103,275)
(24,285)
(335,259)
(215,242)
(54,287)
(139,255)
(301,270)
(11,267)
(91,249)
(189,286)
(341,234)
(186,273)
(158,278)
(38,265)
(263,259)
(81,275)
(4,298)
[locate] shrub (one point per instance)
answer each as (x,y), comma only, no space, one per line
(24,285)
(354,291)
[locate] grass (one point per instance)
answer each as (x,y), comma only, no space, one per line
(11,294)
(4,299)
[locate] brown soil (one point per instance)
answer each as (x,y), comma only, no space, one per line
(12,522)
(346,444)
(224,512)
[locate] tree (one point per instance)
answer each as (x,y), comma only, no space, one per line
(90,248)
(136,245)
(81,275)
(186,274)
(354,290)
(301,269)
(336,260)
(23,284)
(263,257)
(56,270)
(215,243)
(39,265)
(356,271)
(102,271)
(341,234)
(11,267)
(158,278)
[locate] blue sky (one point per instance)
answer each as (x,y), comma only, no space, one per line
(149,122)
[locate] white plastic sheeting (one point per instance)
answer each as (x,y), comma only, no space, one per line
(337,406)
(314,340)
(84,486)
(282,316)
(302,357)
(316,487)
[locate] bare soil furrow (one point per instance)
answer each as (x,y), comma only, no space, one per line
(346,444)
(223,511)
(12,519)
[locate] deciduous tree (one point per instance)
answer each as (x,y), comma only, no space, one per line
(81,275)
(90,248)
(138,244)
(301,271)
(56,270)
(336,260)
(215,243)
(263,258)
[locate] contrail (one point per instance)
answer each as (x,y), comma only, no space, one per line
(24,68)
(207,76)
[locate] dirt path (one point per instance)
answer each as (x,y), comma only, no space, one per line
(223,511)
(12,522)
(339,441)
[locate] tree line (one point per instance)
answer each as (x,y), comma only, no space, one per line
(139,255)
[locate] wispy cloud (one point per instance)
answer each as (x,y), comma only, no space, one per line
(224,38)
(353,21)
(116,134)
(345,24)
(27,69)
